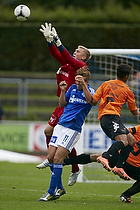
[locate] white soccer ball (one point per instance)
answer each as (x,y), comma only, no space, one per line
(22,12)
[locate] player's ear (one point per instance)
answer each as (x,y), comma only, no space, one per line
(125,78)
(83,57)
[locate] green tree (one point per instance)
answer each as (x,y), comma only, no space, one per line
(88,4)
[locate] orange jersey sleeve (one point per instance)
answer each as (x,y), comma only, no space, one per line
(113,94)
(134,156)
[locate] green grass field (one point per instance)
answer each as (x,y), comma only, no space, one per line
(21,185)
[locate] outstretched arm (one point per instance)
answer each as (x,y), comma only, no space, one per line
(46,29)
(69,59)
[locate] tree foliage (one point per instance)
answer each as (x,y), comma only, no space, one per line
(88,4)
(102,11)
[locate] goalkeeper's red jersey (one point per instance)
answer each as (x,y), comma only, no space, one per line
(68,69)
(134,156)
(113,94)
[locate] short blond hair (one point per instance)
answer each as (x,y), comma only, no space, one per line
(84,71)
(86,52)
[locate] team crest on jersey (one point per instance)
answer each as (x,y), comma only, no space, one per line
(74,90)
(83,94)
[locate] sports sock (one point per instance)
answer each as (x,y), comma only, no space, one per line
(59,184)
(133,190)
(75,167)
(79,159)
(48,138)
(55,177)
(51,166)
(114,148)
(123,156)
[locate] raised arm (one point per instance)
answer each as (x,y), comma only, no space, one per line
(87,93)
(62,98)
(76,64)
(56,54)
(46,30)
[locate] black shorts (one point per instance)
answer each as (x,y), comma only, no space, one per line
(112,126)
(132,171)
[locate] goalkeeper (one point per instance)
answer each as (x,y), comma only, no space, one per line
(70,64)
(131,166)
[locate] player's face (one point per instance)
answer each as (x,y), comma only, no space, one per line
(79,54)
(79,84)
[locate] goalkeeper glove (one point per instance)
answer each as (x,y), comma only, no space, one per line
(46,30)
(56,38)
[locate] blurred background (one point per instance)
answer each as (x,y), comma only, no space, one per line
(27,70)
(24,55)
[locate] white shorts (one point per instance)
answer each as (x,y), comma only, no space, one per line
(64,137)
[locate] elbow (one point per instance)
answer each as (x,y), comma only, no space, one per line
(93,102)
(135,112)
(62,104)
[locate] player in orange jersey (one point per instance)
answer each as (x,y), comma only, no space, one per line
(131,166)
(113,94)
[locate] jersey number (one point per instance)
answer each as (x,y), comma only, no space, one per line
(110,99)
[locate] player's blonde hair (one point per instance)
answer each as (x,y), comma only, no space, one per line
(86,52)
(84,71)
